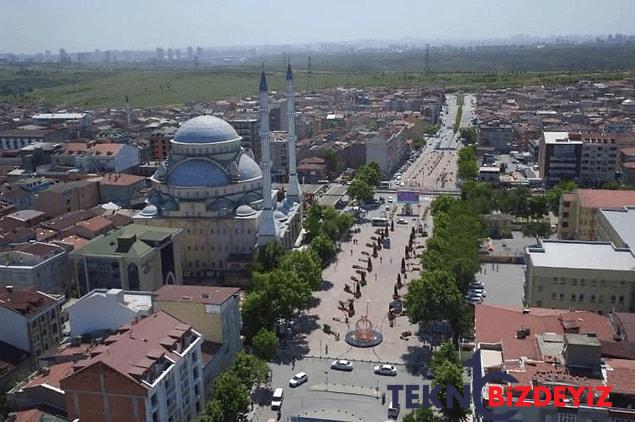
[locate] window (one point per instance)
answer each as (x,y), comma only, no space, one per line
(540,288)
(574,282)
(582,282)
(573,297)
(581,298)
(621,300)
(561,297)
(613,300)
(567,417)
(554,296)
(592,298)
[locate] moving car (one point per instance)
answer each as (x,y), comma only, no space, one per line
(385,370)
(298,379)
(276,400)
(342,365)
(401,221)
(473,298)
(390,199)
(393,410)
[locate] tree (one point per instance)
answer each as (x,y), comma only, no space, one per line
(284,291)
(554,194)
(537,230)
(435,296)
(256,313)
(232,396)
(265,344)
(422,414)
(467,164)
(612,185)
(213,412)
(370,173)
(268,257)
(324,248)
(538,206)
(313,221)
(333,162)
(445,352)
(249,369)
(450,374)
(469,134)
(360,190)
(306,264)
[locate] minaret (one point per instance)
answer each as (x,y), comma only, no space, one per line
(128,111)
(294,190)
(268,229)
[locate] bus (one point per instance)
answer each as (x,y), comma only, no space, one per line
(379,221)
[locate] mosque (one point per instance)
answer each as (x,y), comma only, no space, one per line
(212,188)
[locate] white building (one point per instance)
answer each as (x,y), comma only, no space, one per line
(103,310)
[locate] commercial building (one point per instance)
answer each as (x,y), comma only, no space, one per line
(559,157)
(212,311)
(31,319)
(496,136)
(133,257)
(36,264)
(150,371)
(547,348)
(578,210)
(78,123)
(18,138)
(595,276)
(104,311)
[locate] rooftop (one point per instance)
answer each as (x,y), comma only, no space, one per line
(120,179)
(133,239)
(559,138)
(26,302)
(605,198)
(622,220)
(589,255)
(196,294)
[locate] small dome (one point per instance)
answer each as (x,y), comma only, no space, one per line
(149,210)
(247,168)
(205,130)
(194,173)
(279,215)
(245,211)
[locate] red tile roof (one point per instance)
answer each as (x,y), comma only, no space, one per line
(621,375)
(96,224)
(24,301)
(120,179)
(53,376)
(605,198)
(494,324)
(130,351)
(195,294)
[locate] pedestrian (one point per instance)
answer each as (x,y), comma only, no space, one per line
(375,276)
(351,252)
(380,259)
(496,267)
(390,261)
(326,349)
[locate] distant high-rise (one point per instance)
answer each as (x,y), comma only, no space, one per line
(190,53)
(160,54)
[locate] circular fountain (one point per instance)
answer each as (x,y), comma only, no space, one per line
(364,335)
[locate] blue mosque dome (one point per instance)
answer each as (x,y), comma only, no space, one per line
(197,172)
(204,130)
(248,168)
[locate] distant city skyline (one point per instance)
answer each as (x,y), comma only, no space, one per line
(33,26)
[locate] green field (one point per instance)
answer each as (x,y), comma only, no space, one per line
(92,87)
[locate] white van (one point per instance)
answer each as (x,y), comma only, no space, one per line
(276,399)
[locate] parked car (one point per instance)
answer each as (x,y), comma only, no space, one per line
(393,410)
(276,400)
(385,370)
(342,365)
(298,379)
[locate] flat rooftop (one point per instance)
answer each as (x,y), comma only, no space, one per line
(623,222)
(559,138)
(589,255)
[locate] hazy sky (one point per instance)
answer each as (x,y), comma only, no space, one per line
(83,25)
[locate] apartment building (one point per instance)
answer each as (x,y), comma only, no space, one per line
(31,319)
(121,188)
(578,210)
(595,276)
(559,157)
(92,157)
(62,198)
(212,311)
(150,371)
(36,264)
(617,225)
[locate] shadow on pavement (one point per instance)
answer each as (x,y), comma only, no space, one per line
(416,359)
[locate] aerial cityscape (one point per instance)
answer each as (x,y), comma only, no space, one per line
(320,212)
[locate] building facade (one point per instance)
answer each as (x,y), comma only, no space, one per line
(42,265)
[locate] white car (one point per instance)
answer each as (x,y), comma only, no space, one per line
(390,199)
(342,365)
(385,370)
(473,298)
(276,400)
(401,221)
(298,379)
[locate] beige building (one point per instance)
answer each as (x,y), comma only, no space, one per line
(212,311)
(595,276)
(578,210)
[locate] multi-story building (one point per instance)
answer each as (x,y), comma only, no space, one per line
(212,311)
(31,319)
(104,311)
(151,370)
(80,124)
(547,348)
(160,142)
(278,147)
(617,225)
(578,210)
(496,135)
(133,257)
(36,264)
(18,138)
(595,276)
(388,147)
(92,157)
(62,198)
(121,188)
(247,128)
(559,157)
(598,163)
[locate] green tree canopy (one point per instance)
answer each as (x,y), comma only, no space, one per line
(422,415)
(232,395)
(448,373)
(265,344)
(213,412)
(434,297)
(268,256)
(324,248)
(360,190)
(467,164)
(249,369)
(445,352)
(554,194)
(306,264)
(370,173)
